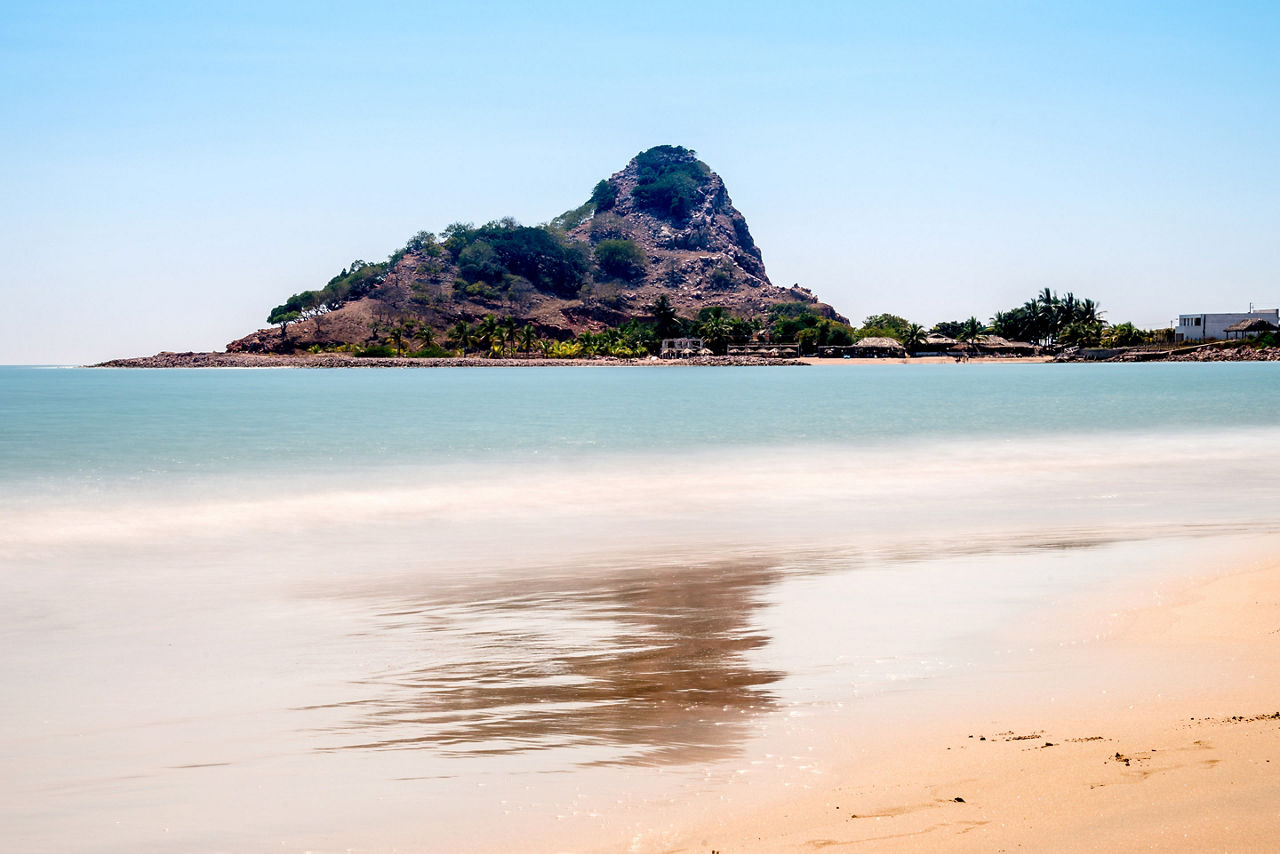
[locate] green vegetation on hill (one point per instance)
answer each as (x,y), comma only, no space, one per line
(620,259)
(505,248)
(354,282)
(669,181)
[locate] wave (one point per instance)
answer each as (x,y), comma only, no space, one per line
(757,497)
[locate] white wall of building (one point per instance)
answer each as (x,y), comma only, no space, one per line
(1200,327)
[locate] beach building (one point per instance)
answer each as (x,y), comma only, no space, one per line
(937,345)
(1203,327)
(875,347)
(1252,326)
(675,348)
(765,348)
(996,346)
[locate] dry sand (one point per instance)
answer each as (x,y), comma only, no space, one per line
(1168,739)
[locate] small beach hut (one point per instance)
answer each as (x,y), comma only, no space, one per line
(998,346)
(875,347)
(1250,326)
(936,345)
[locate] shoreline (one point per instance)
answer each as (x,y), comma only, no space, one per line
(340,360)
(1164,733)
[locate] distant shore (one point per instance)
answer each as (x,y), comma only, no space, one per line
(341,360)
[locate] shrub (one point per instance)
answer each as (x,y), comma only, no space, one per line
(621,259)
(1124,335)
(722,277)
(480,290)
(431,351)
(607,226)
(604,195)
(607,294)
(573,218)
(377,351)
(564,350)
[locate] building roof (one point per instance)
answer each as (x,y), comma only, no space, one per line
(879,343)
(1252,324)
(995,342)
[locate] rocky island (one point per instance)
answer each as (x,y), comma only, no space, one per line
(658,251)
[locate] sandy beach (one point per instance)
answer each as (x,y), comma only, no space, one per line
(1165,737)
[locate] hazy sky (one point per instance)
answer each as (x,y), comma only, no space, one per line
(173,170)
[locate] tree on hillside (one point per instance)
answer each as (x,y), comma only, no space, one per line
(666,322)
(283,315)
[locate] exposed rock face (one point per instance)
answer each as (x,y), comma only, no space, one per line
(694,246)
(685,251)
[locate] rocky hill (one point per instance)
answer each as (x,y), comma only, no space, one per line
(662,226)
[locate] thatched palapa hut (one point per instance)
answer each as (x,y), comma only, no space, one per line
(875,347)
(1250,326)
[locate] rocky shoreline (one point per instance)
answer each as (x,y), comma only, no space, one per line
(1197,353)
(1239,354)
(339,360)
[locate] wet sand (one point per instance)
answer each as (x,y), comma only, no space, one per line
(1164,735)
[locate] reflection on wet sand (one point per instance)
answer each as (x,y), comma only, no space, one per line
(645,666)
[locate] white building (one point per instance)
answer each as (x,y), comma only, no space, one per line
(1201,327)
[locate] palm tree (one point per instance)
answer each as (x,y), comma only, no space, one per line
(509,326)
(426,335)
(528,335)
(461,336)
(970,331)
(716,331)
(1089,312)
(397,332)
(913,337)
(488,333)
(1069,309)
(666,322)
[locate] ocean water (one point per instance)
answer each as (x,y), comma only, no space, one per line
(442,610)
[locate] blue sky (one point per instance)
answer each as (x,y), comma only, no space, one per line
(173,170)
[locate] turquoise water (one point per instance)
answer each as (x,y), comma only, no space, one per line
(378,609)
(86,425)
